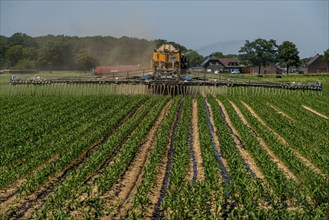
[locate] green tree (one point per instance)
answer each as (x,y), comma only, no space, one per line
(3,50)
(56,55)
(288,55)
(18,51)
(84,60)
(195,59)
(14,54)
(259,52)
(218,55)
(326,58)
(21,39)
(25,64)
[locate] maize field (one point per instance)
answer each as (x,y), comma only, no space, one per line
(248,154)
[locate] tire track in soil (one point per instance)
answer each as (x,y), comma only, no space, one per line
(122,192)
(196,147)
(158,193)
(9,196)
(315,112)
(262,143)
(36,200)
(280,111)
(237,139)
(284,142)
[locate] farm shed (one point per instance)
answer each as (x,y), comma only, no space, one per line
(269,69)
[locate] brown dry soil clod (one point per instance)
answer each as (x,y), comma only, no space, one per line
(243,152)
(121,194)
(262,143)
(284,142)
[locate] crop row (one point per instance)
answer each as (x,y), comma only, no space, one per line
(257,163)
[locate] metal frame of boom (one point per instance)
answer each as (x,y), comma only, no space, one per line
(163,81)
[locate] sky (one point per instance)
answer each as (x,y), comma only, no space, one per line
(205,26)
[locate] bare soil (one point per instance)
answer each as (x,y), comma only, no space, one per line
(279,111)
(161,181)
(315,112)
(124,190)
(26,206)
(283,141)
(262,143)
(11,194)
(196,142)
(215,137)
(243,152)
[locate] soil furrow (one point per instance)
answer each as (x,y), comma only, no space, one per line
(262,143)
(157,212)
(162,180)
(279,111)
(12,193)
(91,179)
(243,152)
(196,142)
(216,139)
(37,199)
(124,190)
(284,142)
(315,112)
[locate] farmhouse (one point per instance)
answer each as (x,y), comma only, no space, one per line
(218,65)
(316,65)
(232,65)
(213,65)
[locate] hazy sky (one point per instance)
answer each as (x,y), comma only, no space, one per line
(206,26)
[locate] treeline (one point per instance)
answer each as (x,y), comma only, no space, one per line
(50,52)
(60,52)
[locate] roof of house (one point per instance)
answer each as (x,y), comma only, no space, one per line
(211,58)
(224,61)
(313,59)
(227,61)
